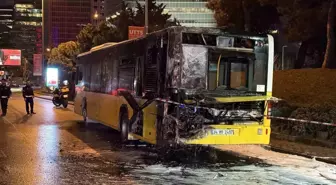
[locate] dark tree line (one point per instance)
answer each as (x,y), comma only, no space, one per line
(116,29)
(311,22)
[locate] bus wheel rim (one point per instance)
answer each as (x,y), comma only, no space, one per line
(124,132)
(84,114)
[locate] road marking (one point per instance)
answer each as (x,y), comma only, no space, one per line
(23,135)
(3,154)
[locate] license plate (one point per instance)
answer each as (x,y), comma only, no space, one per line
(65,96)
(222,132)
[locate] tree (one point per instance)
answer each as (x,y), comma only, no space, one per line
(26,69)
(330,54)
(302,21)
(305,21)
(125,18)
(156,17)
(113,30)
(248,15)
(116,29)
(106,33)
(85,37)
(65,55)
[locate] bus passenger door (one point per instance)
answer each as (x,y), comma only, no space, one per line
(92,100)
(154,76)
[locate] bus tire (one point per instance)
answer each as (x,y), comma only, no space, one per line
(124,124)
(65,103)
(84,111)
(84,114)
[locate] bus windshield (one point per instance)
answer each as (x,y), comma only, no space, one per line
(244,72)
(247,72)
(237,65)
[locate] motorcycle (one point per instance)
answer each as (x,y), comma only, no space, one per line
(60,97)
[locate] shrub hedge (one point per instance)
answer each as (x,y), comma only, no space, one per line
(308,94)
(306,87)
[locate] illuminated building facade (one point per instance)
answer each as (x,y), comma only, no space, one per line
(191,13)
(64,19)
(98,11)
(111,7)
(26,32)
(6,25)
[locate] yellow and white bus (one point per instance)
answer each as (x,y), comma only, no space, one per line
(187,85)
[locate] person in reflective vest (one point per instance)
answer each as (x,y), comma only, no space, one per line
(5,93)
(28,95)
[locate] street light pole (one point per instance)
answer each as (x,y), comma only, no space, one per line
(43,41)
(146,17)
(95,17)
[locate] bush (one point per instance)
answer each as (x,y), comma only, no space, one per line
(305,87)
(308,94)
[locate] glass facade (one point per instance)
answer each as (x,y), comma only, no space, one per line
(191,13)
(98,11)
(65,19)
(6,23)
(27,20)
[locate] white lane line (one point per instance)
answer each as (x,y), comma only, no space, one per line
(3,154)
(23,135)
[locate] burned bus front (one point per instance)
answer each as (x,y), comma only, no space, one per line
(222,94)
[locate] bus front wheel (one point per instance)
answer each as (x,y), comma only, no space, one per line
(84,114)
(124,127)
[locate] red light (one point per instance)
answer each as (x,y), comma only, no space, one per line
(115,92)
(269,109)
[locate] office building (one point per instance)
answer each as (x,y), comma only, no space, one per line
(6,16)
(6,25)
(191,13)
(97,11)
(27,29)
(64,19)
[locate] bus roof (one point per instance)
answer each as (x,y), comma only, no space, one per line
(200,30)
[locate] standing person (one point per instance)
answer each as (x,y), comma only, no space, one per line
(5,93)
(28,95)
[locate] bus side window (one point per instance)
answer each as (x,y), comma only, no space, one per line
(126,74)
(138,76)
(87,77)
(79,76)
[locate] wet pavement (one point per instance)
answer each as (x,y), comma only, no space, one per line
(55,147)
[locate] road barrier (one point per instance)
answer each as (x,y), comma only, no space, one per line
(303,121)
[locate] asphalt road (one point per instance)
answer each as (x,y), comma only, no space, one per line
(54,147)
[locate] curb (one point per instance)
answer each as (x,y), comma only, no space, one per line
(304,140)
(320,159)
(70,103)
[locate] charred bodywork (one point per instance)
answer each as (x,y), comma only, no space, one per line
(210,76)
